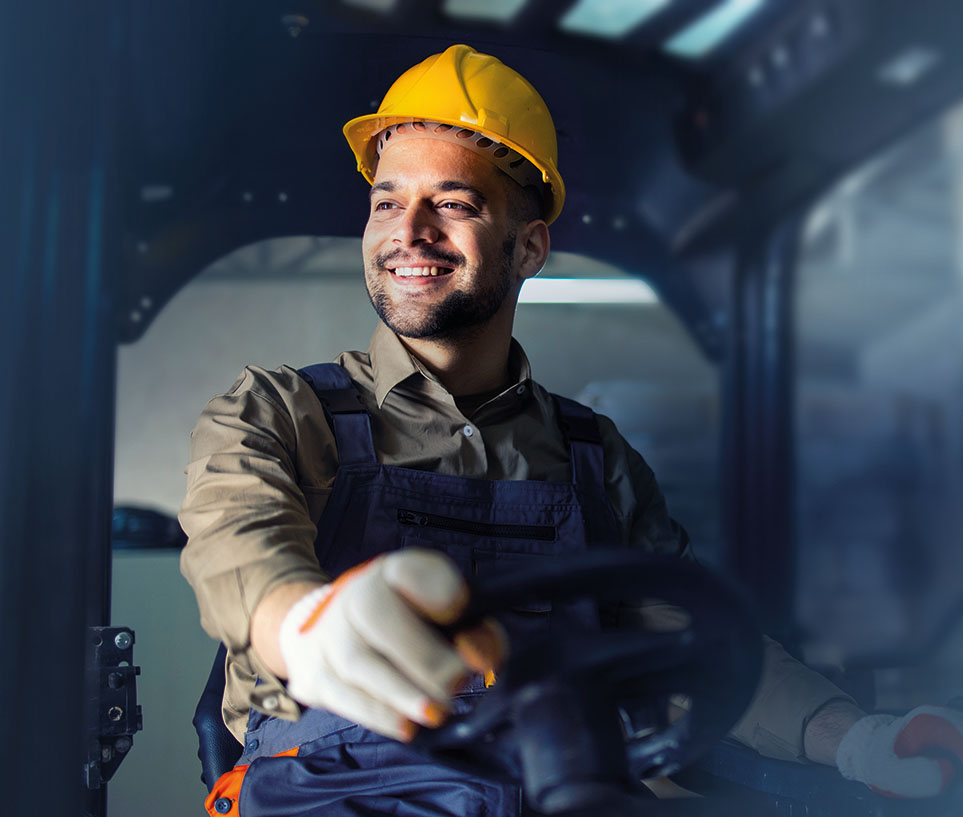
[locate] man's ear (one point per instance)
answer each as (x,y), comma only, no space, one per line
(533,243)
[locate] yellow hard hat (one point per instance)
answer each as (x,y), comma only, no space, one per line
(462,87)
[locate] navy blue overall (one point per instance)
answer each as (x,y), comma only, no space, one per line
(341,768)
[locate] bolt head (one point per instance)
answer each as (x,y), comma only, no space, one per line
(123,640)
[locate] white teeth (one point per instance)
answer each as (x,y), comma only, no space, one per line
(406,272)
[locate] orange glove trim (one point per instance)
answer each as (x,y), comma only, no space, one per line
(932,737)
(929,735)
(336,586)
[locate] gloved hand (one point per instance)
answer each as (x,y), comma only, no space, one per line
(364,646)
(918,755)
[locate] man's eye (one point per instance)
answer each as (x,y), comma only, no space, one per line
(384,205)
(456,205)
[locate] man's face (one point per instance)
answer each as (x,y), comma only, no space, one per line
(439,246)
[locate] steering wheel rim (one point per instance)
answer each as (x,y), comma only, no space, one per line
(598,699)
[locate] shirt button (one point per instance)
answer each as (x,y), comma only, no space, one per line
(222,805)
(252,745)
(468,431)
(520,390)
(270,702)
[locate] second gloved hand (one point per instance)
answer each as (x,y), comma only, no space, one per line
(364,646)
(917,755)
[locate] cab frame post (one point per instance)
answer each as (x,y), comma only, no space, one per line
(60,255)
(758,443)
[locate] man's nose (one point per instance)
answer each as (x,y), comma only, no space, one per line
(418,225)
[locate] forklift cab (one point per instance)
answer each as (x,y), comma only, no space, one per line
(772,190)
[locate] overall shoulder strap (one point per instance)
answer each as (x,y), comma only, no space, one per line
(581,430)
(345,412)
(580,426)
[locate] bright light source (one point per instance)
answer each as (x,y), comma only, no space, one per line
(381,6)
(700,37)
(587,291)
(500,11)
(609,18)
(907,67)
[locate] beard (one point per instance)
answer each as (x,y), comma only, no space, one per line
(458,314)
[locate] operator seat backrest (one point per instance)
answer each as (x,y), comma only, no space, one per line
(217,748)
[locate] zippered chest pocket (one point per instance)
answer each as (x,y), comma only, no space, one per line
(419,519)
(482,548)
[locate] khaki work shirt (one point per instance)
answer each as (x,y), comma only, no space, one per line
(263,463)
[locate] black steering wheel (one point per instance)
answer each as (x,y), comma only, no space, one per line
(579,713)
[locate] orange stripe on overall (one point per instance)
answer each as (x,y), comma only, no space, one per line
(228,787)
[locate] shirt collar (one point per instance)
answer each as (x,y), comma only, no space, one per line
(391,363)
(518,366)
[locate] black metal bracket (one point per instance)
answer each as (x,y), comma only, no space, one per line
(112,702)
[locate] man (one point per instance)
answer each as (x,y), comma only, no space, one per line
(438,443)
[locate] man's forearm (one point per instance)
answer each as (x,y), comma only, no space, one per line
(266,623)
(826,729)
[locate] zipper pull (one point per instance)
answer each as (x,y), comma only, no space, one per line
(411,518)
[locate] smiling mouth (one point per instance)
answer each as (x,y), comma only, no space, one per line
(420,272)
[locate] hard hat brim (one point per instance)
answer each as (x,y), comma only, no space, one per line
(361,130)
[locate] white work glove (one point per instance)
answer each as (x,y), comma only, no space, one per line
(918,755)
(364,646)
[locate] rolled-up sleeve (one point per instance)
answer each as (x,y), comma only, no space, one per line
(251,508)
(789,694)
